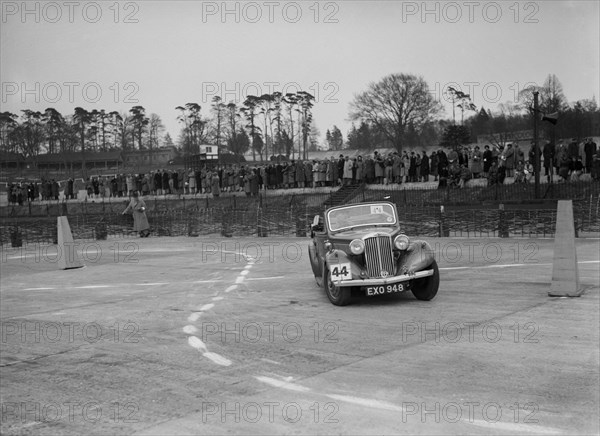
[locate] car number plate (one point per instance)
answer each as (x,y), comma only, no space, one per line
(371,291)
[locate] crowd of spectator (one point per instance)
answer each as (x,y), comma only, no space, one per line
(450,169)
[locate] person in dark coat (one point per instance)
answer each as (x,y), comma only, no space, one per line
(165,182)
(573,149)
(487,159)
(340,169)
(425,167)
(55,189)
(589,151)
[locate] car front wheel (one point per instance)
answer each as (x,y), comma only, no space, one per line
(427,287)
(337,295)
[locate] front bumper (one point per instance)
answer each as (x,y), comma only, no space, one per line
(386,281)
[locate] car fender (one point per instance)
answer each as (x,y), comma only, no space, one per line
(418,256)
(335,257)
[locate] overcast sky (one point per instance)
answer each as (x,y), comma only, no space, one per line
(159,54)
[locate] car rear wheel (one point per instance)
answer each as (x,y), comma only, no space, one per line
(337,295)
(427,287)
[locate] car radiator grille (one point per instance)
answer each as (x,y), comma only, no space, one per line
(379,258)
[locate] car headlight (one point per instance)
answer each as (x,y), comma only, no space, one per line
(401,242)
(328,246)
(357,246)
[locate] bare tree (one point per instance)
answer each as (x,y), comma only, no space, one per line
(393,103)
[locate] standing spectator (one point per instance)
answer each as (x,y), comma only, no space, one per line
(476,162)
(463,156)
(369,169)
(379,168)
(199,180)
(487,159)
(347,171)
(519,154)
(166,182)
(596,165)
(175,178)
(340,169)
(561,150)
(589,151)
(412,168)
(78,185)
(158,182)
(114,186)
(308,174)
(433,165)
(146,185)
(509,159)
(573,150)
(335,174)
(442,160)
(130,186)
(548,155)
(214,184)
(300,174)
(425,167)
(96,187)
(405,165)
(292,174)
(360,169)
(389,169)
(396,168)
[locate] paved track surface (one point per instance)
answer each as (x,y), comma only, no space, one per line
(188,336)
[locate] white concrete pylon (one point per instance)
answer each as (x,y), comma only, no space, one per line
(68,257)
(565,273)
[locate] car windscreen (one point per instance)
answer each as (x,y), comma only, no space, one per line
(361,215)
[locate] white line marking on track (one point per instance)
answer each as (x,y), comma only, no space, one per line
(282,384)
(244,273)
(152,284)
(197,343)
(270,361)
(92,286)
(512,427)
(267,278)
(207,307)
(231,288)
(217,298)
(217,358)
(240,279)
(194,317)
(38,289)
(508,265)
(367,402)
(190,329)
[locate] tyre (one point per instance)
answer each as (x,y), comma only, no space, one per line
(337,295)
(426,288)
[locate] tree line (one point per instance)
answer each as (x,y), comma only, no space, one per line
(267,125)
(397,111)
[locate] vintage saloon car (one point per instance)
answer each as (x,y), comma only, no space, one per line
(360,248)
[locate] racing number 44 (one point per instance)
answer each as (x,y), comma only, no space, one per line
(341,271)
